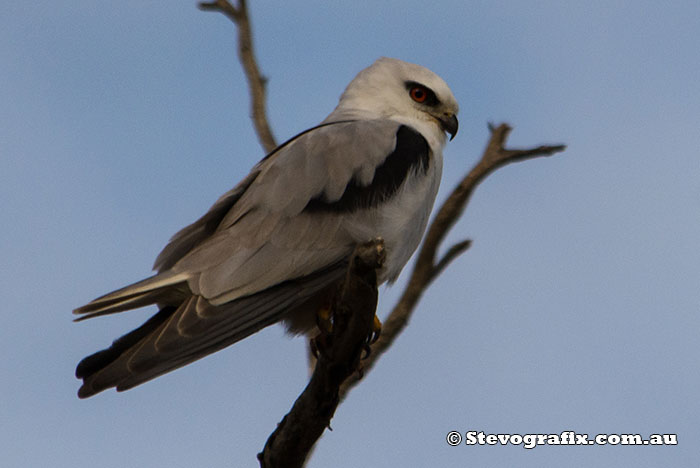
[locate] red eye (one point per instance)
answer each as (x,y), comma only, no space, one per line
(418,94)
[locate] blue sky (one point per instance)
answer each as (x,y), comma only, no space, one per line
(577,308)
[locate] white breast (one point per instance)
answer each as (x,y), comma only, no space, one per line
(402,220)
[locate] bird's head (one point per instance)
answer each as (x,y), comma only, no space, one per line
(391,88)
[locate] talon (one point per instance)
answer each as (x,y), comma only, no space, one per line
(323,319)
(367,350)
(319,345)
(376,330)
(313,347)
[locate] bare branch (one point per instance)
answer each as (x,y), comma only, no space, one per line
(452,253)
(427,268)
(246,55)
(223,6)
(339,357)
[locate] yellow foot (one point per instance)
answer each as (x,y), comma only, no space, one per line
(376,330)
(323,320)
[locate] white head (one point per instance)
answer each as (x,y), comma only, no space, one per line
(391,88)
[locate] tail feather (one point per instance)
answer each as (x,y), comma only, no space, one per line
(143,293)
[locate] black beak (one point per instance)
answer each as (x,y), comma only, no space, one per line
(449,124)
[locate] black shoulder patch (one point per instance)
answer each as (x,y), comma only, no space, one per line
(411,153)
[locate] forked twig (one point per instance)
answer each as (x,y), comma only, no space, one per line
(246,55)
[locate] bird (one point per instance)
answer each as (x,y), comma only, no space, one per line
(273,248)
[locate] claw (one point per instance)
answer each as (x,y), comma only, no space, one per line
(319,345)
(324,321)
(376,330)
(313,347)
(366,351)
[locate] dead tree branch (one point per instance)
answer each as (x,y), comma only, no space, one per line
(427,266)
(246,55)
(338,357)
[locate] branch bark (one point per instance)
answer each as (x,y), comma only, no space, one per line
(246,55)
(338,357)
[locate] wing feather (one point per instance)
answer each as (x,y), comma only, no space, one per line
(194,330)
(192,235)
(267,237)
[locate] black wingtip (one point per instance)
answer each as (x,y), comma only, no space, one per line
(84,392)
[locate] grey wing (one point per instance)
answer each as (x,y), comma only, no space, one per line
(200,230)
(257,254)
(264,231)
(269,236)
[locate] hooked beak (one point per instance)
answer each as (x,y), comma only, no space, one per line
(449,124)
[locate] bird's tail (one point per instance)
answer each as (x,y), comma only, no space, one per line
(182,332)
(145,292)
